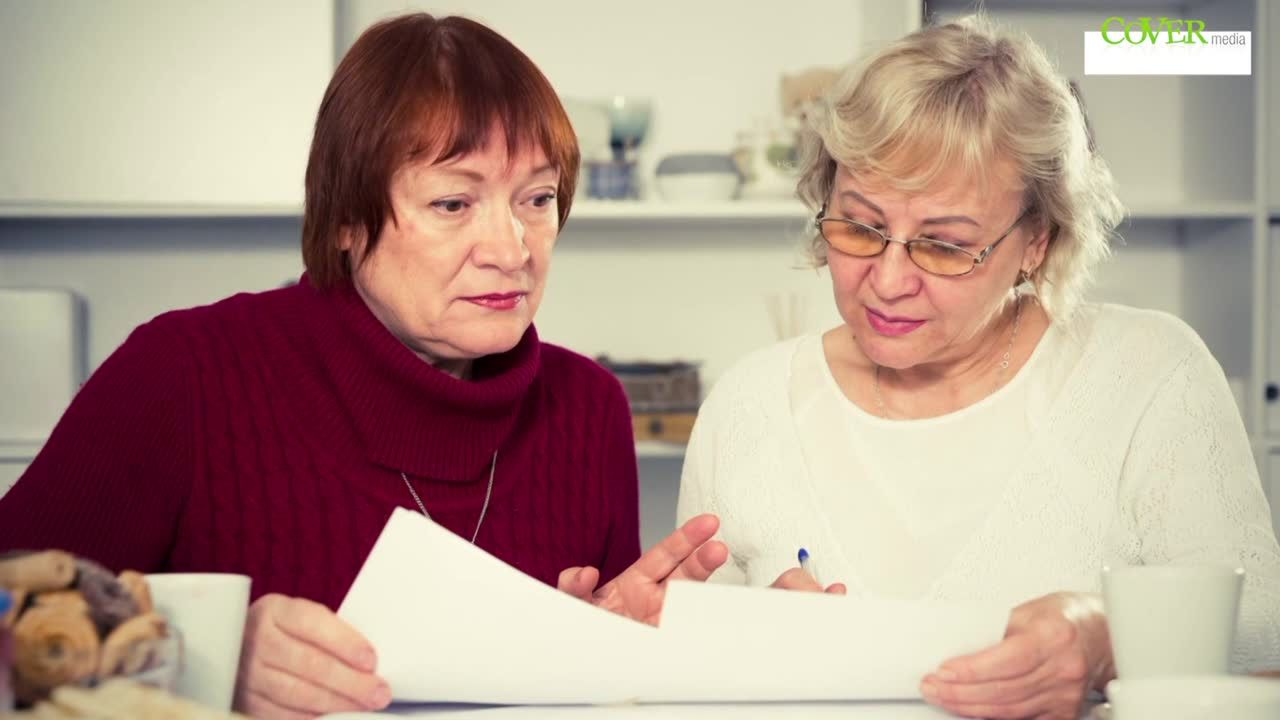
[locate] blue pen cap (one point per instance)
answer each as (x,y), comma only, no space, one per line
(6,601)
(802,556)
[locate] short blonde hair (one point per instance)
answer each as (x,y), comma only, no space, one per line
(962,97)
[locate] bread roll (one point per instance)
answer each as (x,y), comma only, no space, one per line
(53,645)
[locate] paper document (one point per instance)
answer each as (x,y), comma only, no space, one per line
(847,710)
(740,643)
(452,623)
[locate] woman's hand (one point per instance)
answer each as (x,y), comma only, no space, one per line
(1056,649)
(637,593)
(799,580)
(300,660)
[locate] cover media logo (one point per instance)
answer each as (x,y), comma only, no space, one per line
(1165,46)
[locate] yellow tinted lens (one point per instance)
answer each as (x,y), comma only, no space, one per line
(940,259)
(852,239)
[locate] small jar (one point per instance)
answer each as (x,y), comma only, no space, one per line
(6,656)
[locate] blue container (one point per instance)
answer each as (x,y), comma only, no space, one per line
(615,180)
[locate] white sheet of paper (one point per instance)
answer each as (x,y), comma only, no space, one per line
(452,623)
(776,645)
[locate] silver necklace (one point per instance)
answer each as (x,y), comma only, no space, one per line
(1004,360)
(488,493)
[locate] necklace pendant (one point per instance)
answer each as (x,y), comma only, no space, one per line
(488,494)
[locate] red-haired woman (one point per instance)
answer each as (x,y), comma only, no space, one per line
(272,434)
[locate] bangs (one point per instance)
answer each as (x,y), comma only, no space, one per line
(473,89)
(918,136)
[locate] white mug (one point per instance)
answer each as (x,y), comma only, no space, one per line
(1194,697)
(208,610)
(1172,619)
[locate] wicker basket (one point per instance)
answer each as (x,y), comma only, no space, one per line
(653,387)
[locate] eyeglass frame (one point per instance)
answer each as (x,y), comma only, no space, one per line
(977,259)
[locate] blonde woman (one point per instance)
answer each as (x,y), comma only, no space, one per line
(975,430)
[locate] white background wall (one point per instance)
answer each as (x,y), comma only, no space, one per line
(129,100)
(711,67)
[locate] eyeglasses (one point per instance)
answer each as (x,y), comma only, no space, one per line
(933,256)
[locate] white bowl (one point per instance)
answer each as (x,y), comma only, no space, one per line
(697,187)
(1194,697)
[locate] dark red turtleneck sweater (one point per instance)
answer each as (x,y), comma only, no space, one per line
(266,434)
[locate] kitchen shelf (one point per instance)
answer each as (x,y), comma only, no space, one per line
(642,210)
(787,210)
(96,211)
(649,449)
(1192,211)
(583,210)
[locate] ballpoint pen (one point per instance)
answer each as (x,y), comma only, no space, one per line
(803,557)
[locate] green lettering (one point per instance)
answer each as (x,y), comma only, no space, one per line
(1146,33)
(1150,34)
(1194,27)
(1174,26)
(1105,24)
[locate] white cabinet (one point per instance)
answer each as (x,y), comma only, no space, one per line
(155,104)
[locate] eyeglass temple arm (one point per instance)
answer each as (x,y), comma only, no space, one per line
(822,213)
(987,251)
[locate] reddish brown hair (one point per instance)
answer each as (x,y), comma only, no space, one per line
(416,86)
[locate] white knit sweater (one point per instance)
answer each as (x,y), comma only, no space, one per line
(1117,443)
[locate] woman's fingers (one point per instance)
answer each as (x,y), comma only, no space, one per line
(580,582)
(299,657)
(313,666)
(797,579)
(291,693)
(663,559)
(1033,708)
(262,707)
(1032,698)
(1039,670)
(317,625)
(1013,657)
(990,692)
(702,562)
